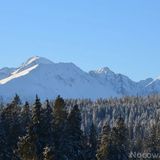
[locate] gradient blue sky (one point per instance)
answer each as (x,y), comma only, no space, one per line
(121,34)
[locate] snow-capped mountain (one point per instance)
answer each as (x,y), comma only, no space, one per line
(47,79)
(120,83)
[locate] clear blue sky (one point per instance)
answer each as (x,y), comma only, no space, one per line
(121,34)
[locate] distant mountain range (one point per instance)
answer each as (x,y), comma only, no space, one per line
(48,79)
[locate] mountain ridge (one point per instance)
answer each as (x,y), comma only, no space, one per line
(41,76)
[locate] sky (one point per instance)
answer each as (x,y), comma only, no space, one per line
(123,35)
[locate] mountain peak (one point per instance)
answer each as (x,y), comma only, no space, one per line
(32,63)
(37,60)
(104,70)
(42,76)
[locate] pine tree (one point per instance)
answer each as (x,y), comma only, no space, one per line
(59,113)
(25,117)
(27,149)
(92,144)
(75,135)
(35,140)
(17,100)
(120,144)
(138,146)
(4,148)
(37,120)
(104,149)
(37,109)
(152,143)
(59,125)
(10,118)
(47,124)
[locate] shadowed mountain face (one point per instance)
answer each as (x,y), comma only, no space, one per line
(47,79)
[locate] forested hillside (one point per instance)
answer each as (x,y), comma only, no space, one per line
(74,129)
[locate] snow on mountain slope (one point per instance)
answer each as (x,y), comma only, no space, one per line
(120,83)
(144,83)
(47,79)
(153,87)
(6,72)
(31,62)
(25,68)
(17,74)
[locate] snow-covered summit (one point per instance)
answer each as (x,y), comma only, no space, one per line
(41,76)
(37,60)
(104,70)
(101,71)
(32,63)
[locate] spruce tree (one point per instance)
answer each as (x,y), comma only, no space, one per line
(152,142)
(120,143)
(10,118)
(104,149)
(59,125)
(138,146)
(17,100)
(47,113)
(75,135)
(25,117)
(5,153)
(37,120)
(27,149)
(37,109)
(92,144)
(34,141)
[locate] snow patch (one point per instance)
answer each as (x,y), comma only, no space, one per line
(16,75)
(104,70)
(37,60)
